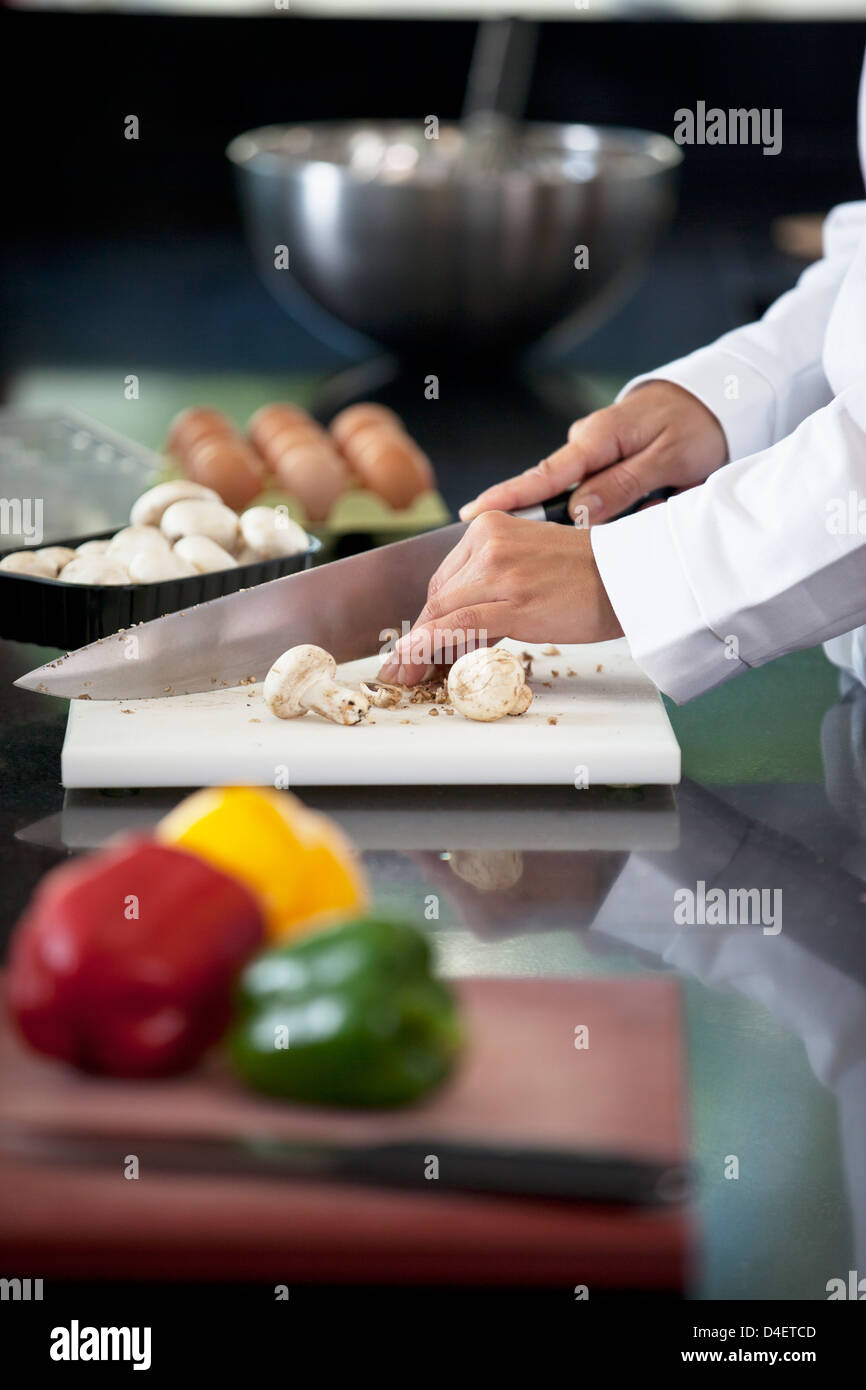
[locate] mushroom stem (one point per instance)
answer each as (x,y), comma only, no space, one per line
(335,702)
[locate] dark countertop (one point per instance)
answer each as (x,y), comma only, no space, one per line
(772,798)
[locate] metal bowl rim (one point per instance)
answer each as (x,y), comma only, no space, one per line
(660,152)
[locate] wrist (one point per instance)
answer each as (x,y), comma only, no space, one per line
(604,625)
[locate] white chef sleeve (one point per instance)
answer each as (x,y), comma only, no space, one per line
(762,380)
(766,557)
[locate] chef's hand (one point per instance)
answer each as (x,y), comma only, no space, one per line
(659,435)
(532,580)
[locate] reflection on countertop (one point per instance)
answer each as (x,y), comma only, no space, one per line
(534,881)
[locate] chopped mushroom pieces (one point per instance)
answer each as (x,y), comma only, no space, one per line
(381,695)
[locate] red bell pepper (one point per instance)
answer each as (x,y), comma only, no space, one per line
(124,962)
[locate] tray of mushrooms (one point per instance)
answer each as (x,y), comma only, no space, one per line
(183,546)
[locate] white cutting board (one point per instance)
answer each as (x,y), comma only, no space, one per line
(610,728)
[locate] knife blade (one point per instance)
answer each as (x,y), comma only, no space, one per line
(346,607)
(559,1174)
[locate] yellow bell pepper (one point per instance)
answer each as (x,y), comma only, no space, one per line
(297,863)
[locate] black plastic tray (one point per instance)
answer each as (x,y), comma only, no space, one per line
(49,613)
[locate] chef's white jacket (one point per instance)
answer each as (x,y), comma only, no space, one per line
(769,554)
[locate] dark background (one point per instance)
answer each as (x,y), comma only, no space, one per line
(116,247)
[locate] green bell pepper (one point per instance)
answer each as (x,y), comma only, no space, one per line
(350,1016)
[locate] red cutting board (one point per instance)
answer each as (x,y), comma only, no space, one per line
(522,1079)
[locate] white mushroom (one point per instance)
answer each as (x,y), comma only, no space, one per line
(204,555)
(132,540)
(271,532)
(92,547)
(152,566)
(489,870)
(28,562)
(200,518)
(94,569)
(303,679)
(487,684)
(247,556)
(149,508)
(57,555)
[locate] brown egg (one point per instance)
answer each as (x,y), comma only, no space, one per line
(290,437)
(230,467)
(397,471)
(368,443)
(370,439)
(358,417)
(191,426)
(271,420)
(424,466)
(315,475)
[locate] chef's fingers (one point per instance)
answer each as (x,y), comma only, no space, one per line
(472,581)
(454,560)
(614,490)
(594,446)
(444,640)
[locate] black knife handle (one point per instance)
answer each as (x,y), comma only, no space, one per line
(553,1174)
(556,508)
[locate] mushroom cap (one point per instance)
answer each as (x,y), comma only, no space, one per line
(486,684)
(153,566)
(94,569)
(57,555)
(28,562)
(92,547)
(489,870)
(149,508)
(203,555)
(271,533)
(247,556)
(291,676)
(132,540)
(198,517)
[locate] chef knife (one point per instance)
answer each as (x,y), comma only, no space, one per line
(463,1166)
(349,607)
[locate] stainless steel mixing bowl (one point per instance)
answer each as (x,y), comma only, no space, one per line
(402,238)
